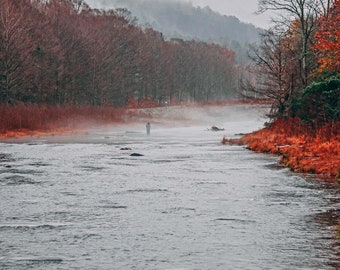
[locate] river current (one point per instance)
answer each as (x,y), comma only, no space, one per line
(188,202)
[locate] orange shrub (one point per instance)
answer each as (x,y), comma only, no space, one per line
(301,150)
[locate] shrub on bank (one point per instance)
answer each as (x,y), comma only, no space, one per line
(309,141)
(301,152)
(319,103)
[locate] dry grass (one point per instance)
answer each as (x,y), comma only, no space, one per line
(23,120)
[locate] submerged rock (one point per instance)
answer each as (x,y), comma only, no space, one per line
(136,155)
(214,128)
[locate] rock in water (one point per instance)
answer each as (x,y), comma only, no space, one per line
(125,148)
(214,128)
(136,155)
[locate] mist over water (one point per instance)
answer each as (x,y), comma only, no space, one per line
(80,202)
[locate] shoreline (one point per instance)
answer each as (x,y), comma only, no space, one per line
(38,133)
(300,152)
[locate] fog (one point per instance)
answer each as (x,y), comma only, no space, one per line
(233,119)
(244,10)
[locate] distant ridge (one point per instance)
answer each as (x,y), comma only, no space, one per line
(182,20)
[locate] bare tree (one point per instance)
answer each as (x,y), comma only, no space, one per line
(15,49)
(274,71)
(306,13)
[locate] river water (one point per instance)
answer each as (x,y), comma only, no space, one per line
(80,202)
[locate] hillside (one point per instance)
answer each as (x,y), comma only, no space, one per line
(183,20)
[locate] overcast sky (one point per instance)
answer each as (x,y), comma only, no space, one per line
(242,9)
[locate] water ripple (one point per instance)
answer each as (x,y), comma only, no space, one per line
(141,190)
(4,157)
(14,180)
(235,220)
(31,227)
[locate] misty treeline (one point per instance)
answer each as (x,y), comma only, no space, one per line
(180,19)
(297,64)
(63,52)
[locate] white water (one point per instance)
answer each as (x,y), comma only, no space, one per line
(79,202)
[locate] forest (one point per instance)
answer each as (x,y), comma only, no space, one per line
(63,52)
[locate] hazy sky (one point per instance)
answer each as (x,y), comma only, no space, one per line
(242,9)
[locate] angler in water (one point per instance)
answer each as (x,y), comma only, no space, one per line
(148,128)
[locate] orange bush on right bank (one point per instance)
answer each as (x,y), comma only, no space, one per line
(301,151)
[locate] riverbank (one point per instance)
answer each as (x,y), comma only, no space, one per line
(299,149)
(35,120)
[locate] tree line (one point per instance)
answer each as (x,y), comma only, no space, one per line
(297,64)
(64,52)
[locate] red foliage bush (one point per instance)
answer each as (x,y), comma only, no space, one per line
(301,150)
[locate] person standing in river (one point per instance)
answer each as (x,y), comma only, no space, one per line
(148,128)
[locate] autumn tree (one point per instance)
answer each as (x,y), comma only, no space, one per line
(305,12)
(327,40)
(16,45)
(106,50)
(319,104)
(284,60)
(152,66)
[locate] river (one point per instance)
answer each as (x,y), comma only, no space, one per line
(189,202)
